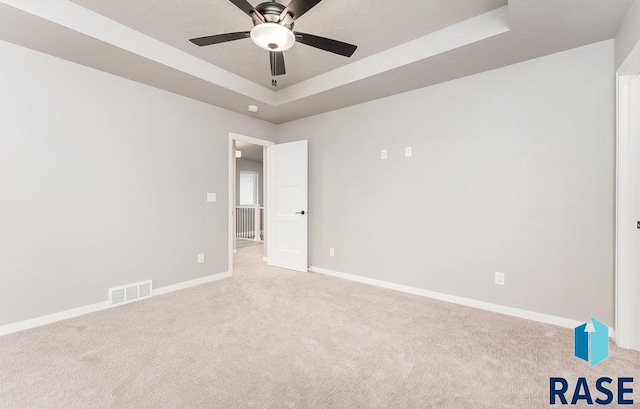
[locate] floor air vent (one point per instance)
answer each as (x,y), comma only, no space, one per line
(130,293)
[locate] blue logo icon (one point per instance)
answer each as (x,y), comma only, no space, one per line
(591,342)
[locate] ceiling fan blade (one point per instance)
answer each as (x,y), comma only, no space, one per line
(243,5)
(326,44)
(276,58)
(298,7)
(219,38)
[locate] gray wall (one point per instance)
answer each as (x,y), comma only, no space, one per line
(512,171)
(103,182)
(254,166)
(628,34)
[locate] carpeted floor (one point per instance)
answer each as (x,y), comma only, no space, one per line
(272,338)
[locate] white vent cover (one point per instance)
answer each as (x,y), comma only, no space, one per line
(144,289)
(130,293)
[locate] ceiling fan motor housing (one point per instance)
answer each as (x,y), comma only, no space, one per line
(271,12)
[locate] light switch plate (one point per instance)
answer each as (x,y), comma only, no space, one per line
(408,152)
(499,278)
(200,258)
(383,154)
(211,197)
(332,252)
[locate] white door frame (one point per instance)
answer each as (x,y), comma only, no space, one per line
(627,267)
(231,156)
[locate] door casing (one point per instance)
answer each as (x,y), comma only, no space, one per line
(627,254)
(231,155)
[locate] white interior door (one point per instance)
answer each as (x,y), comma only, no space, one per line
(287,195)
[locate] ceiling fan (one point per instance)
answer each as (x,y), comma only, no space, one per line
(273,31)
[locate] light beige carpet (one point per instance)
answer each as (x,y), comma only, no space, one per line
(271,338)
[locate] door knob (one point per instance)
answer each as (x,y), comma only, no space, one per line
(300,212)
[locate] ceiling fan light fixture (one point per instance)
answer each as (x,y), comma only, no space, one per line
(273,37)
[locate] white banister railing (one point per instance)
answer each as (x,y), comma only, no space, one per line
(250,222)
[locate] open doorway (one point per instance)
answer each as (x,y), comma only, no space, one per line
(268,214)
(249,200)
(247,197)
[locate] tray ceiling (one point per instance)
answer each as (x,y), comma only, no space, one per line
(403,45)
(372,25)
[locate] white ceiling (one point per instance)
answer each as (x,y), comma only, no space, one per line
(150,45)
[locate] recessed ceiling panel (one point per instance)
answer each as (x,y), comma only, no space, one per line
(69,31)
(373,26)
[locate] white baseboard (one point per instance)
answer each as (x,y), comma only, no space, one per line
(104,305)
(51,318)
(190,283)
(468,302)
